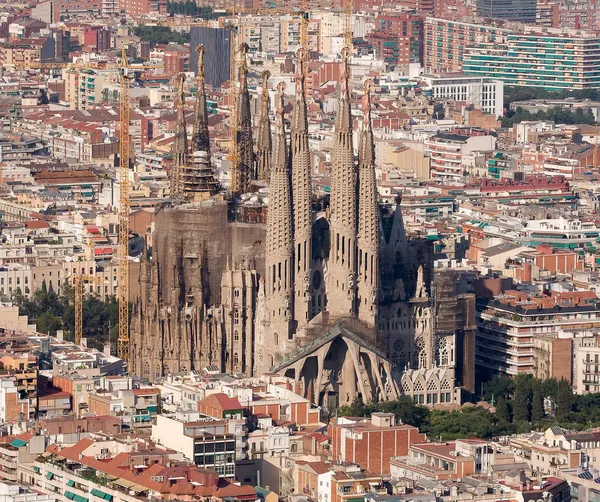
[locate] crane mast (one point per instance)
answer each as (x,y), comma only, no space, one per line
(123,283)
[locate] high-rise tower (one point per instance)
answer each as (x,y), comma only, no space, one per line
(279,251)
(244,170)
(264,146)
(368,220)
(180,146)
(341,290)
(301,195)
(200,137)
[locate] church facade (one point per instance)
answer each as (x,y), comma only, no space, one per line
(340,301)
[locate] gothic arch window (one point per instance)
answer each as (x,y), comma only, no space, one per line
(422,359)
(294,447)
(276,339)
(236,316)
(442,351)
(236,293)
(146,369)
(157,370)
(236,359)
(236,335)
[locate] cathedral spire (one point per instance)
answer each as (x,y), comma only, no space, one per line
(368,219)
(200,136)
(279,251)
(264,145)
(245,167)
(301,190)
(180,146)
(342,257)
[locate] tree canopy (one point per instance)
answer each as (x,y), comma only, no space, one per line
(521,404)
(52,312)
(156,35)
(558,115)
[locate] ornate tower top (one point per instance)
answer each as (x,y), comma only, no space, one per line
(243,62)
(344,115)
(200,136)
(281,154)
(366,147)
(180,145)
(245,168)
(264,145)
(299,116)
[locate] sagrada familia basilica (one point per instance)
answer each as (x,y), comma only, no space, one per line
(328,291)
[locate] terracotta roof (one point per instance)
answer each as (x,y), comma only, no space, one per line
(36,224)
(226,402)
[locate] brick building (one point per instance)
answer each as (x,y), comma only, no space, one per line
(176,59)
(221,406)
(371,443)
(398,38)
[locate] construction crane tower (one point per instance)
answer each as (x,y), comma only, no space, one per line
(123,282)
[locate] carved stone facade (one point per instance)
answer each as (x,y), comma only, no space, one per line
(341,301)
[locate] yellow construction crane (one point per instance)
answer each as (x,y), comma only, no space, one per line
(79,281)
(126,74)
(123,276)
(348,8)
(233,156)
(304,21)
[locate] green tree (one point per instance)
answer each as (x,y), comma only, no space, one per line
(522,398)
(537,402)
(503,410)
(48,323)
(161,34)
(499,386)
(564,400)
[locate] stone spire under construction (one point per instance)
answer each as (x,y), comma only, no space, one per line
(279,251)
(264,146)
(243,170)
(200,137)
(180,146)
(301,189)
(341,290)
(368,220)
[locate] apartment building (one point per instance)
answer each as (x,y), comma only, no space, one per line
(213,444)
(446,42)
(508,324)
(371,443)
(586,364)
(446,150)
(107,470)
(552,60)
(484,94)
(441,461)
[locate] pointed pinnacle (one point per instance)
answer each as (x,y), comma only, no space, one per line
(200,50)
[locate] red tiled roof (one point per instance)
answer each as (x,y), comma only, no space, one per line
(226,402)
(36,224)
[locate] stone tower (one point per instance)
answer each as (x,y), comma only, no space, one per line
(278,285)
(341,273)
(368,238)
(243,172)
(200,137)
(301,190)
(264,146)
(180,146)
